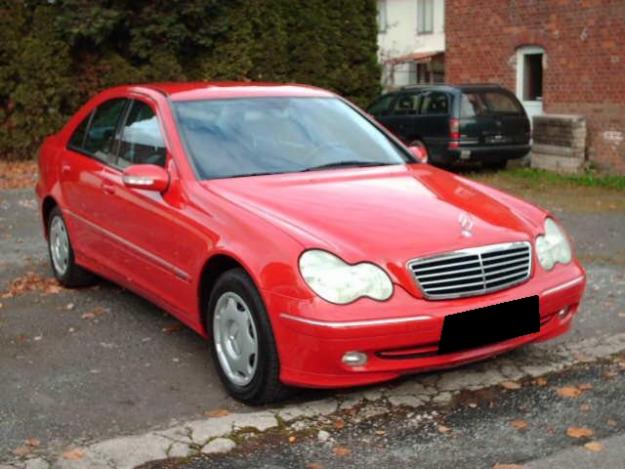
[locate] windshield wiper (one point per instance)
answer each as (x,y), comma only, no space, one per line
(346,164)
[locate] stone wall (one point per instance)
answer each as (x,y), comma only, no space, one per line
(559,142)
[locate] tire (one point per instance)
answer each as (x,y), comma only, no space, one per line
(62,261)
(496,165)
(258,383)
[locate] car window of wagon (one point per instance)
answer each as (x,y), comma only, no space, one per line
(252,136)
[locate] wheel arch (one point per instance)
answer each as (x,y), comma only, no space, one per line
(213,268)
(47,206)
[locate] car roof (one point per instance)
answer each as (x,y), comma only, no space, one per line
(221,90)
(451,88)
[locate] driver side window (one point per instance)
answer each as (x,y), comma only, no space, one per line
(141,141)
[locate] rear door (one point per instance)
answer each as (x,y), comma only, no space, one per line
(433,121)
(401,117)
(492,117)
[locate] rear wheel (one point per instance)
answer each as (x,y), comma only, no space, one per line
(243,349)
(64,266)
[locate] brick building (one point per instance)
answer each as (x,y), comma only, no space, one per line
(559,56)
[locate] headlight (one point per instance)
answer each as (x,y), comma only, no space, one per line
(338,282)
(553,246)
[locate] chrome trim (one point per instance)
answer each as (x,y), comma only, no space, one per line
(479,261)
(563,286)
(351,324)
(160,262)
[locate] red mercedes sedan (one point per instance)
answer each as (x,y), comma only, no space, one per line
(302,238)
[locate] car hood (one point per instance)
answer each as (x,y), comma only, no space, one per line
(387,215)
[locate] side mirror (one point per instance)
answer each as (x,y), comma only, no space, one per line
(147,177)
(419,152)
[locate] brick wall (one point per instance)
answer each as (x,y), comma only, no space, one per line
(584,70)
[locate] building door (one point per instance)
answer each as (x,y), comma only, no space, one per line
(529,79)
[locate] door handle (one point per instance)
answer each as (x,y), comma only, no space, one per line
(108,188)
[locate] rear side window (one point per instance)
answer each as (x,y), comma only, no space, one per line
(489,102)
(381,106)
(435,102)
(78,137)
(141,138)
(101,134)
(407,104)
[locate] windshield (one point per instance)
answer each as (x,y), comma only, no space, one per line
(251,136)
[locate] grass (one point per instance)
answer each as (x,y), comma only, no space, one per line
(586,179)
(586,192)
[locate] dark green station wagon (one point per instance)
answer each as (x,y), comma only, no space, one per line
(481,123)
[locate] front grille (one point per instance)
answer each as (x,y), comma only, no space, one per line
(473,271)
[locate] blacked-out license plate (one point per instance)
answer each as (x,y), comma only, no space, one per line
(490,325)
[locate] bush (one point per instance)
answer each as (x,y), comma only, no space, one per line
(54,55)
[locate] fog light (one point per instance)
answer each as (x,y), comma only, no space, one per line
(563,312)
(354,358)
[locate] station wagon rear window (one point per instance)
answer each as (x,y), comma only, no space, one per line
(483,103)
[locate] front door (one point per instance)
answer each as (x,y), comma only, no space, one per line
(529,88)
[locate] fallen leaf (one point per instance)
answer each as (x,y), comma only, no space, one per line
(17,174)
(341,451)
(172,328)
(511,385)
(73,454)
(314,465)
(443,429)
(594,446)
(292,439)
(339,424)
(541,381)
(507,466)
(217,413)
(585,386)
(380,432)
(612,422)
(94,313)
(610,374)
(33,442)
(584,407)
(22,451)
(579,432)
(569,391)
(519,424)
(32,282)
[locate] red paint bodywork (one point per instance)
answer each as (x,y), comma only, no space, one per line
(159,245)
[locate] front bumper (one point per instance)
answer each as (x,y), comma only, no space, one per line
(401,336)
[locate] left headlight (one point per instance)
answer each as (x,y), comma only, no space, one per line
(336,281)
(553,246)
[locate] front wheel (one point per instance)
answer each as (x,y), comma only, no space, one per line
(244,349)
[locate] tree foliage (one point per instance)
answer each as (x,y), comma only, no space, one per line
(55,54)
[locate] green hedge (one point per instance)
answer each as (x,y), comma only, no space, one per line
(54,55)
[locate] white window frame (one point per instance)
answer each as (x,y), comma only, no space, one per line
(382,16)
(425,16)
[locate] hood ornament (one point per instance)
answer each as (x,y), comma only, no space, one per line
(466,224)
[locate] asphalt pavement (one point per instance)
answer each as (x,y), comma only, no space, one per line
(86,365)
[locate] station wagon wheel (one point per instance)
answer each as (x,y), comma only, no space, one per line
(243,349)
(64,266)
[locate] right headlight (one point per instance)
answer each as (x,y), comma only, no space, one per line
(553,246)
(336,281)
